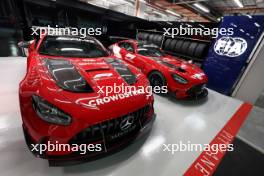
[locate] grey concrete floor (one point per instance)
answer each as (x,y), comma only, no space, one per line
(252,131)
(176,121)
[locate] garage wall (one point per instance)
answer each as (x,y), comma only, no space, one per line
(252,82)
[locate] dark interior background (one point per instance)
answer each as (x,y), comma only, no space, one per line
(17,17)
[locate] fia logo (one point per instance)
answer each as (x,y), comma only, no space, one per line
(230,46)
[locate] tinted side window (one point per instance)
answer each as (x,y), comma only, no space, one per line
(122,45)
(127,46)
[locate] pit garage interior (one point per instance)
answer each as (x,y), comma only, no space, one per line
(234,105)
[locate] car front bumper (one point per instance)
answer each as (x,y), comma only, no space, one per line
(77,158)
(195,92)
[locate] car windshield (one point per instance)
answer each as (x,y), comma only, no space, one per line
(72,47)
(150,51)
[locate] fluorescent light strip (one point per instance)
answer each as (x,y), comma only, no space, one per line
(239,3)
(201,7)
(158,13)
(173,13)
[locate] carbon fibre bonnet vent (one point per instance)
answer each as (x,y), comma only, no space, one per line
(123,70)
(67,76)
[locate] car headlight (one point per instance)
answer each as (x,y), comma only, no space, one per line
(179,79)
(67,76)
(49,112)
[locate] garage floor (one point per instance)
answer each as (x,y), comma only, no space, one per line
(198,122)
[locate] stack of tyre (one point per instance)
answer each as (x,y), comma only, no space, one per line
(186,48)
(151,38)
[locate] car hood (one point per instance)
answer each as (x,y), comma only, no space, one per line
(96,72)
(183,68)
(99,73)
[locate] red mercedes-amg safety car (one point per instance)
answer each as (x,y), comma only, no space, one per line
(183,79)
(62,100)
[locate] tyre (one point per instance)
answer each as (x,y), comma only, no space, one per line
(156,78)
(167,44)
(150,39)
(192,48)
(185,47)
(200,49)
(172,44)
(154,40)
(178,46)
(159,40)
(145,36)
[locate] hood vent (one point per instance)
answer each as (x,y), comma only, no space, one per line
(123,70)
(66,76)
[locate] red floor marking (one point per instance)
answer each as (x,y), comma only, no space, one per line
(207,162)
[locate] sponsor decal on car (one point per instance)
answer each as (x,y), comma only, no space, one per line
(95,102)
(198,76)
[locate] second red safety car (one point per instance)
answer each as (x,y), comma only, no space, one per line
(183,79)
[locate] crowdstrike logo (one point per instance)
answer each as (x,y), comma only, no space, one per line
(230,46)
(94,102)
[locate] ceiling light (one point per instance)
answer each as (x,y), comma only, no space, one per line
(239,3)
(158,13)
(173,13)
(201,7)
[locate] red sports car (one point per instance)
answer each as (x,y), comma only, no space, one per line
(63,105)
(183,79)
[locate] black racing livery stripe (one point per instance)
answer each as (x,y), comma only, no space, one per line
(66,76)
(123,70)
(168,64)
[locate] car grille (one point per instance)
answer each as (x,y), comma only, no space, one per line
(196,90)
(105,131)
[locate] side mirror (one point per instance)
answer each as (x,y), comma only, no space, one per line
(26,46)
(23,44)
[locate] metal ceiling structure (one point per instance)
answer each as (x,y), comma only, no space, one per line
(228,7)
(183,10)
(216,8)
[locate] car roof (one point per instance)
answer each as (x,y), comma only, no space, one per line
(141,43)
